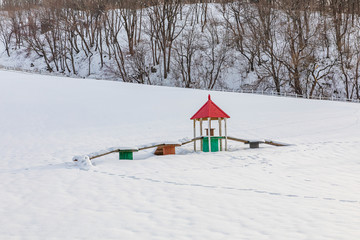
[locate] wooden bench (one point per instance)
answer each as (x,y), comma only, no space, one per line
(277,144)
(127,153)
(166,149)
(254,143)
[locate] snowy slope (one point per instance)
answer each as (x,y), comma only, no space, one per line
(309,190)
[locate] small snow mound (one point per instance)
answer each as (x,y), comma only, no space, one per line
(83,162)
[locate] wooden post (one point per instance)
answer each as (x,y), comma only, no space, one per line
(201,133)
(220,134)
(195,135)
(209,138)
(225,135)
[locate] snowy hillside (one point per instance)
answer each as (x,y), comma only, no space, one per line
(309,48)
(309,190)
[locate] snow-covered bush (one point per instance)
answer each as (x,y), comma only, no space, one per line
(83,162)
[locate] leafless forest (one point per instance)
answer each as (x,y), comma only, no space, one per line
(307,47)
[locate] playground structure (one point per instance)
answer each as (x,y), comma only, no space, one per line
(208,143)
(207,113)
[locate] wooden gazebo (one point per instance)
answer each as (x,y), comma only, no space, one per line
(210,112)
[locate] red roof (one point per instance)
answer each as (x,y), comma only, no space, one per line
(210,109)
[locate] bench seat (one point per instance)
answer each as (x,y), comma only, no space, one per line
(254,143)
(166,149)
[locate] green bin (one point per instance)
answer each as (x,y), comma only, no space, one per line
(214,144)
(126,155)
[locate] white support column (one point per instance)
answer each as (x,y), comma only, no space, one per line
(220,133)
(195,135)
(209,138)
(225,135)
(201,133)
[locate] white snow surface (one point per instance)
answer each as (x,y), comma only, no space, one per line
(309,190)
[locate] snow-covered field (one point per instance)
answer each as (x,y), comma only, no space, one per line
(309,190)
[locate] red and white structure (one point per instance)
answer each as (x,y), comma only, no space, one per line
(210,112)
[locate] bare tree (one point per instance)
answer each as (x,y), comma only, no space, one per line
(139,65)
(215,55)
(186,48)
(318,73)
(240,21)
(115,49)
(130,17)
(32,36)
(342,33)
(165,29)
(5,32)
(300,45)
(269,68)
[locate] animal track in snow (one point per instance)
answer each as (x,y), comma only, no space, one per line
(226,188)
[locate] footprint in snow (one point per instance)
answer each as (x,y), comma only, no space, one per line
(277,194)
(348,201)
(291,195)
(330,199)
(257,191)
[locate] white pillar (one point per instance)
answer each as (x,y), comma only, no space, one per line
(194,135)
(201,133)
(220,134)
(209,138)
(225,135)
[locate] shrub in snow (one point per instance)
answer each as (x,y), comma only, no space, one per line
(83,162)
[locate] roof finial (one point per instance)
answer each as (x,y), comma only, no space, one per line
(209,97)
